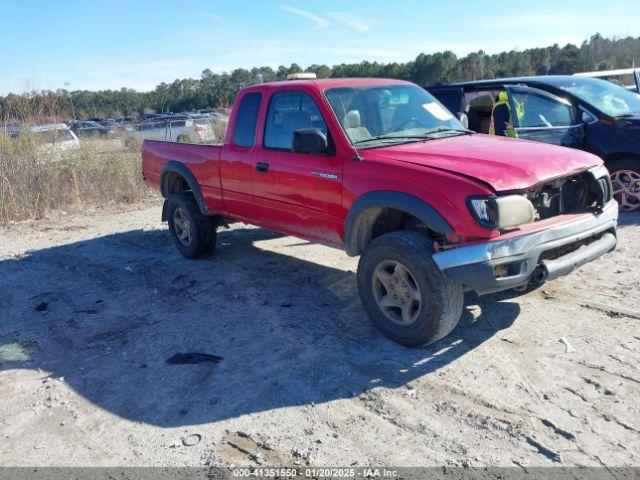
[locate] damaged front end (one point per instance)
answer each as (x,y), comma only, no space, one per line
(587,190)
(572,220)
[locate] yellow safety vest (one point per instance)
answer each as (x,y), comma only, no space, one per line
(509,131)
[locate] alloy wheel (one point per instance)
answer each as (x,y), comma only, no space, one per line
(626,189)
(396,292)
(182,226)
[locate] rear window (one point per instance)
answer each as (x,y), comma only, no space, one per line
(244,131)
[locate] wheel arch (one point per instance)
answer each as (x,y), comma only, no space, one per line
(614,157)
(176,177)
(371,208)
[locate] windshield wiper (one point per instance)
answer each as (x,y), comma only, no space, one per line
(386,137)
(422,136)
(466,131)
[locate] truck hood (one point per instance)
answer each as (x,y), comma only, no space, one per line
(501,162)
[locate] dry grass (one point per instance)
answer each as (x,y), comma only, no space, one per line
(219,130)
(34,181)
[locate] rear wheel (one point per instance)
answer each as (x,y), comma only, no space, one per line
(625,177)
(194,233)
(404,293)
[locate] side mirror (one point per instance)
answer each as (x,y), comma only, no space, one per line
(586,117)
(309,140)
(464,120)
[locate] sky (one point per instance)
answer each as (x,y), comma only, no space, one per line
(140,43)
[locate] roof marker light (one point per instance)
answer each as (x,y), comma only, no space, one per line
(302,76)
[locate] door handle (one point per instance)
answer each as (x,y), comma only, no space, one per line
(262,166)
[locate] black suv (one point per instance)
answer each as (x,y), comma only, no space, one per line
(89,128)
(572,111)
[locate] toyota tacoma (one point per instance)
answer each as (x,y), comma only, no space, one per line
(382,170)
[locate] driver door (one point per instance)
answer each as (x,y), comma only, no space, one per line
(297,193)
(543,117)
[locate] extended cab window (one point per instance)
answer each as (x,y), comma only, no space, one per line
(245,128)
(288,112)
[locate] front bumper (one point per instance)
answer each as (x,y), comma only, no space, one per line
(532,257)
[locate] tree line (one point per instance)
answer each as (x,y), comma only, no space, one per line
(213,90)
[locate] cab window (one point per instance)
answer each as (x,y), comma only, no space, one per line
(288,112)
(245,127)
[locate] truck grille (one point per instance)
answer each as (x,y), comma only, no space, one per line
(571,194)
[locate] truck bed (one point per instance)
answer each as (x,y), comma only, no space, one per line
(202,161)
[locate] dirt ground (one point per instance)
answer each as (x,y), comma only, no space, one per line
(92,305)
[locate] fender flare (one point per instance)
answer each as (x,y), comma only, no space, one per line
(181,169)
(614,157)
(365,210)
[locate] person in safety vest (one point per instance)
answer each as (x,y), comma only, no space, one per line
(501,120)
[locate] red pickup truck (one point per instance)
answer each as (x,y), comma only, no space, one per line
(381,169)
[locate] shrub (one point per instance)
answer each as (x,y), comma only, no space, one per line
(35,180)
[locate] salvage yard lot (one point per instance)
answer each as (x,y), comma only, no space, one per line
(93,304)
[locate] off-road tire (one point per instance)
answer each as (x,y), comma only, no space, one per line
(441,302)
(202,227)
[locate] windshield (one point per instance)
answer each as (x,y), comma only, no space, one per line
(605,96)
(376,115)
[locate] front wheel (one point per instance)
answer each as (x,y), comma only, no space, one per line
(625,178)
(404,293)
(194,233)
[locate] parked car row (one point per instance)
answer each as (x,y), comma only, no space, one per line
(185,128)
(91,128)
(97,125)
(190,127)
(580,112)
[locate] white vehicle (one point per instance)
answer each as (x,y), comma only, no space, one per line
(173,129)
(628,78)
(56,137)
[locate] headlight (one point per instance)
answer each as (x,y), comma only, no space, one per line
(496,213)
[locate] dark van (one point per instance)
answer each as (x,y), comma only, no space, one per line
(571,111)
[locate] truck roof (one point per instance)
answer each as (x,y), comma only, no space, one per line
(540,79)
(325,83)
